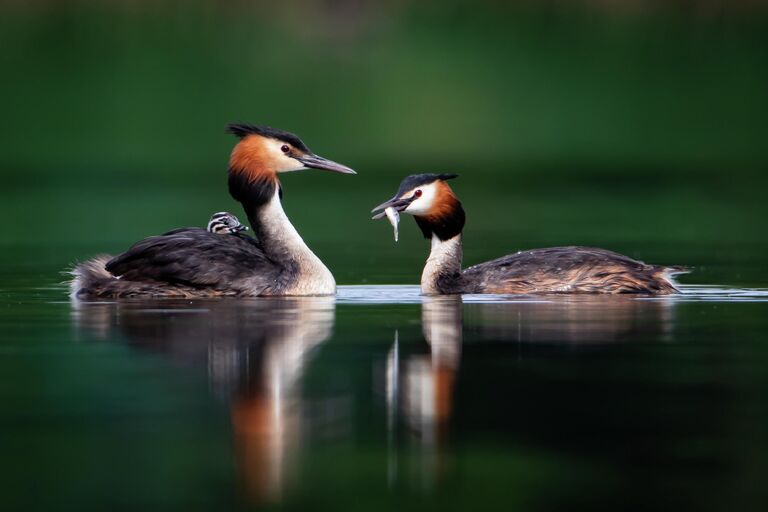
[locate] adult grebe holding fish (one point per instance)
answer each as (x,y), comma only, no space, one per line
(439,214)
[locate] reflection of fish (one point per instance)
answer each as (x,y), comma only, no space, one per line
(394,218)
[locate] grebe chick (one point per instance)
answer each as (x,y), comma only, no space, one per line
(224,223)
(439,214)
(193,262)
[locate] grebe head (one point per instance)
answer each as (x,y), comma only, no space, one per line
(223,223)
(268,151)
(431,201)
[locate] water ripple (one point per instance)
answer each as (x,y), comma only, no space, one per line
(410,294)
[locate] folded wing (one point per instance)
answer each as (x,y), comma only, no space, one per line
(196,258)
(571,269)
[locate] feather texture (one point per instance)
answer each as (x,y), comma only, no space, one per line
(568,270)
(185,262)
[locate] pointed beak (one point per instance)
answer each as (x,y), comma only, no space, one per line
(399,204)
(313,161)
(240,228)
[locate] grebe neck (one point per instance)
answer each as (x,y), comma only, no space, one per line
(283,245)
(442,272)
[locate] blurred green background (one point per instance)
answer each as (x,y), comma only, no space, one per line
(638,126)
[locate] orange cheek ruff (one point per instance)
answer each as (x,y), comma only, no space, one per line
(446,217)
(252,160)
(444,205)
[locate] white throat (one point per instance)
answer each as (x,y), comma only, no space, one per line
(444,258)
(283,243)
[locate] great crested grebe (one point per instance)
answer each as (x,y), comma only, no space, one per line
(224,223)
(439,214)
(192,262)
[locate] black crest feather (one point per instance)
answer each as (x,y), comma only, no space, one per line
(419,180)
(244,129)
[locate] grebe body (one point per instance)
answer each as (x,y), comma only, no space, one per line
(440,215)
(195,262)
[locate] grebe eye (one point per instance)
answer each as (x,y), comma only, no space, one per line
(417,193)
(285,148)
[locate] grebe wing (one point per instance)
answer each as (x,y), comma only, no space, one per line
(195,257)
(559,257)
(247,238)
(177,231)
(562,269)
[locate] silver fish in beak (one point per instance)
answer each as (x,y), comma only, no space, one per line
(391,210)
(394,218)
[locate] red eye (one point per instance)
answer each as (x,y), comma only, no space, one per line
(285,148)
(417,193)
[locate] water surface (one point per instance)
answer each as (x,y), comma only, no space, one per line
(381,397)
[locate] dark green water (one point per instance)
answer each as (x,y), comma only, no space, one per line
(382,399)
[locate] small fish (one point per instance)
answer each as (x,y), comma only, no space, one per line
(394,218)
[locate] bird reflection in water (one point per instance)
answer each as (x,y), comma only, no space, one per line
(420,387)
(255,352)
(578,320)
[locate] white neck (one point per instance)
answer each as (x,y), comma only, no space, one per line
(444,258)
(283,244)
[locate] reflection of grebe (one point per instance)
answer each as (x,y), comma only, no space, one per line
(573,319)
(440,216)
(420,386)
(192,262)
(441,324)
(255,352)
